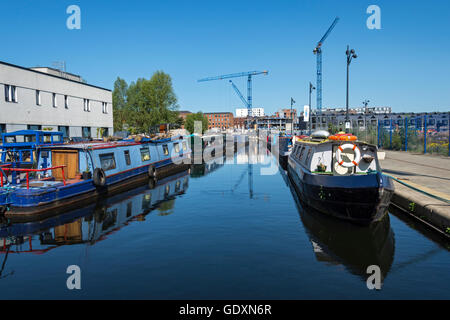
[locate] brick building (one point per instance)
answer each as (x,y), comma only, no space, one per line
(220,120)
(183,115)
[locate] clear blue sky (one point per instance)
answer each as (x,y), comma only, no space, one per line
(404,65)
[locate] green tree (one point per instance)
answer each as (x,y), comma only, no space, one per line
(151,102)
(190,121)
(119,99)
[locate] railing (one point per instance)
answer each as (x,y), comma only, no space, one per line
(416,134)
(27,171)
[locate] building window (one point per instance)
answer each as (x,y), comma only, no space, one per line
(145,154)
(34,127)
(38,97)
(64,130)
(10,93)
(2,130)
(108,162)
(87,105)
(86,132)
(66,102)
(55,102)
(104,107)
(126,153)
(105,132)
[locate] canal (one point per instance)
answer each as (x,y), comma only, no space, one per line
(218,231)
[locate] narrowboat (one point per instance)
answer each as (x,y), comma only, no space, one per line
(96,221)
(63,175)
(340,176)
(331,239)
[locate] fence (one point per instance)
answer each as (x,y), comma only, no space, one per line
(415,134)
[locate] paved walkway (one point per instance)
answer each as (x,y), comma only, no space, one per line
(424,172)
(427,171)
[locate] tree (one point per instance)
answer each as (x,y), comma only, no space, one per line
(151,102)
(119,99)
(190,121)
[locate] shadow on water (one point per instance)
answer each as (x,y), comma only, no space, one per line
(95,222)
(339,242)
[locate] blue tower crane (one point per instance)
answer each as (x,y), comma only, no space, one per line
(239,94)
(249,76)
(318,52)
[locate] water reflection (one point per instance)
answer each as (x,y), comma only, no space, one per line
(337,242)
(200,170)
(95,222)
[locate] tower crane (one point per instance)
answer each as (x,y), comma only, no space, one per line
(318,52)
(249,75)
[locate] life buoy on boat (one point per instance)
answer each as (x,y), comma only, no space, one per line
(355,161)
(99,177)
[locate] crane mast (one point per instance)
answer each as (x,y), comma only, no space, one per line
(318,52)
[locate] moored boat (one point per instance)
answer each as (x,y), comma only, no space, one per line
(340,176)
(64,175)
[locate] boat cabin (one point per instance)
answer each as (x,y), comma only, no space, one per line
(324,156)
(19,147)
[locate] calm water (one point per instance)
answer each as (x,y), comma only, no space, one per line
(218,232)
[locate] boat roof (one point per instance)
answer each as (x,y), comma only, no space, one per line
(31,132)
(96,145)
(325,141)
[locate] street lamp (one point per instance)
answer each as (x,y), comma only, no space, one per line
(292,121)
(311,88)
(350,56)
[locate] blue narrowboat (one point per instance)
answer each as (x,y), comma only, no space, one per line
(96,221)
(63,175)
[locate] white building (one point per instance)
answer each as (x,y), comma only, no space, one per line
(48,99)
(243,112)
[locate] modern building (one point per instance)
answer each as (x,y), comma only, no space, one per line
(286,113)
(255,112)
(48,99)
(220,120)
(371,119)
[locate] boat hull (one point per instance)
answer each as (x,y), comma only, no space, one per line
(361,199)
(30,206)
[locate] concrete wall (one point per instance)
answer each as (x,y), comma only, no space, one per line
(17,115)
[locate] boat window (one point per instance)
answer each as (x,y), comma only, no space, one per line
(126,153)
(184,146)
(56,138)
(167,191)
(11,139)
(107,161)
(30,138)
(301,153)
(309,155)
(176,146)
(165,149)
(145,154)
(47,138)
